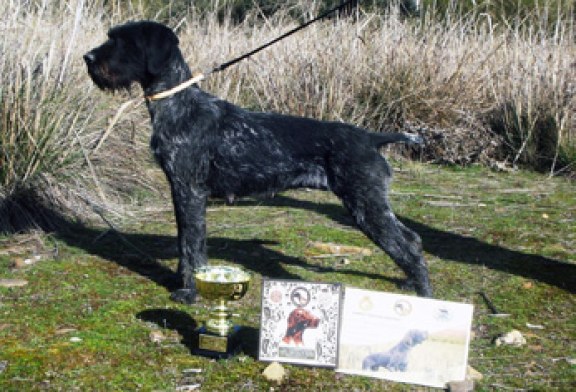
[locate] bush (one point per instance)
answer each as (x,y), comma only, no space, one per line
(49,124)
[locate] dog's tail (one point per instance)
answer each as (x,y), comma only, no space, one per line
(382,139)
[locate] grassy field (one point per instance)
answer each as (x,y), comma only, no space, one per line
(95,312)
(89,307)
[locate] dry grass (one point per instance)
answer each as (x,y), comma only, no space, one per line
(382,72)
(51,120)
(43,113)
(473,77)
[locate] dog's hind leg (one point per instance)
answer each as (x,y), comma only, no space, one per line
(364,195)
(402,244)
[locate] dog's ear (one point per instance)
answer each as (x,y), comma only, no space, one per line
(161,42)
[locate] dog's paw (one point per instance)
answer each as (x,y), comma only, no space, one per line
(425,292)
(185,296)
(422,290)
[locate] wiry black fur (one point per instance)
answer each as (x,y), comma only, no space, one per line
(210,147)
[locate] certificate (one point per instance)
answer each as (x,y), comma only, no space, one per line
(300,322)
(404,338)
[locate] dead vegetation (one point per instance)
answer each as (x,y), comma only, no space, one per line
(479,90)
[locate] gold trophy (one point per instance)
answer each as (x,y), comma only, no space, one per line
(218,337)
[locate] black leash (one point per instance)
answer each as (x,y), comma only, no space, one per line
(199,77)
(342,5)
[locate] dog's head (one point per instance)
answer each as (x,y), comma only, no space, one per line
(303,319)
(134,52)
(414,337)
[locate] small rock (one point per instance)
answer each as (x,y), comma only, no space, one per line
(512,338)
(461,386)
(13,282)
(527,285)
(75,339)
(191,371)
(64,331)
(328,248)
(3,366)
(157,337)
(20,262)
(188,387)
(274,372)
(473,374)
(570,361)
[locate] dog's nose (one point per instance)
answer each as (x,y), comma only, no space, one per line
(89,58)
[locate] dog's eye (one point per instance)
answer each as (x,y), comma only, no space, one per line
(112,42)
(112,37)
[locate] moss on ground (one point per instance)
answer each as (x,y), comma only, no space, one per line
(98,316)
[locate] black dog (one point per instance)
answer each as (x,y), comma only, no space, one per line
(210,147)
(395,359)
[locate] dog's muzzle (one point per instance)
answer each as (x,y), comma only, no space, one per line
(89,58)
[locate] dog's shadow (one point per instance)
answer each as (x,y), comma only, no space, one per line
(143,253)
(452,247)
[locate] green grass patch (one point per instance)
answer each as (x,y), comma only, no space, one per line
(84,320)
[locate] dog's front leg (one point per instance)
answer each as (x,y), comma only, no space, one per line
(190,211)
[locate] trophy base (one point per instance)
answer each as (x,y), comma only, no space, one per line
(208,344)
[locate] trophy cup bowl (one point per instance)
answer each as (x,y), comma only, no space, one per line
(220,283)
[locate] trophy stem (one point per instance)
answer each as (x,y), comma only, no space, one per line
(220,322)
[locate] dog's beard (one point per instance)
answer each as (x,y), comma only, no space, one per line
(108,80)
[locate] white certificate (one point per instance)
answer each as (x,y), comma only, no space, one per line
(300,322)
(404,338)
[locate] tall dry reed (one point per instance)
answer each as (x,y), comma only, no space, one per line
(51,120)
(381,71)
(74,147)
